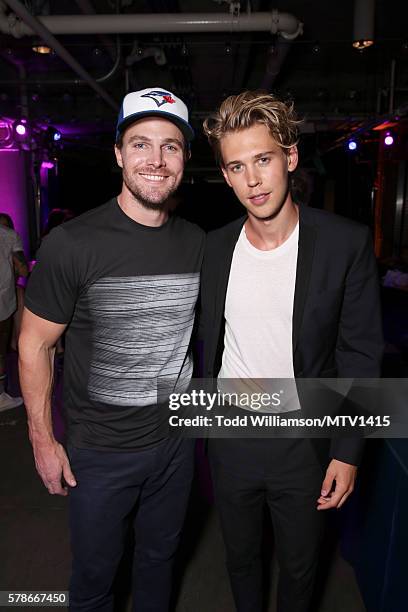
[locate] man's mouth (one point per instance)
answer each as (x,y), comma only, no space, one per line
(157,178)
(259,198)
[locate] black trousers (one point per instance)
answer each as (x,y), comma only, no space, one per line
(109,486)
(286,475)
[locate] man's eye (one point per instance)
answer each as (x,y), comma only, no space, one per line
(236,168)
(139,145)
(171,148)
(263,160)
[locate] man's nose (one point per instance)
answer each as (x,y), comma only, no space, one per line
(156,158)
(252,177)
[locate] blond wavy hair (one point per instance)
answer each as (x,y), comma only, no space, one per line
(247,109)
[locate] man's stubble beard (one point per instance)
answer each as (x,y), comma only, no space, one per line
(142,195)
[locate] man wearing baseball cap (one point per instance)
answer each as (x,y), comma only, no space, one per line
(122,280)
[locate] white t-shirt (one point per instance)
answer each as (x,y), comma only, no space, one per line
(10,243)
(259,310)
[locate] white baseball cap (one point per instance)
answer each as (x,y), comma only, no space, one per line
(154,101)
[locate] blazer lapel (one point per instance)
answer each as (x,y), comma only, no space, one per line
(307,237)
(225,267)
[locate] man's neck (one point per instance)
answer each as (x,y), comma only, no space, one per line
(268,234)
(139,213)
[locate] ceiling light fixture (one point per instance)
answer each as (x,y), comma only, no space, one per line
(362,44)
(42,49)
(363,31)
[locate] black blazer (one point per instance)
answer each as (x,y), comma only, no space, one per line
(337,327)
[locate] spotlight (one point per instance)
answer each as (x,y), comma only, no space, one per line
(20,129)
(360,45)
(388,139)
(47,165)
(52,134)
(41,48)
(352,144)
(364,21)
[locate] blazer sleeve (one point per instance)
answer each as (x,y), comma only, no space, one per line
(360,342)
(201,321)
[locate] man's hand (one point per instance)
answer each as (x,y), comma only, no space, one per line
(53,467)
(344,475)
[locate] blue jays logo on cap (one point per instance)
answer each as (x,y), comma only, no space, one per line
(160,97)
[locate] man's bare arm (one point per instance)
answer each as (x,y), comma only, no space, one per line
(20,264)
(36,364)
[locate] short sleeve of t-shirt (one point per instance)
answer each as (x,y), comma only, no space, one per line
(17,244)
(53,286)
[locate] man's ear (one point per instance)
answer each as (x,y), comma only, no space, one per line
(225,175)
(292,158)
(118,155)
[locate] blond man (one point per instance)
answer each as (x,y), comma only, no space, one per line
(287,291)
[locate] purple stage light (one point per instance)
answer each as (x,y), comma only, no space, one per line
(389,139)
(352,144)
(47,165)
(21,129)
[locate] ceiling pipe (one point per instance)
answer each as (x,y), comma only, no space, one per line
(274,22)
(38,27)
(138,54)
(277,54)
(392,87)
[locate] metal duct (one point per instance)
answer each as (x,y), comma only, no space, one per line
(274,22)
(364,13)
(275,59)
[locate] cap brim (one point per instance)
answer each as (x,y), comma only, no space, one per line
(183,126)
